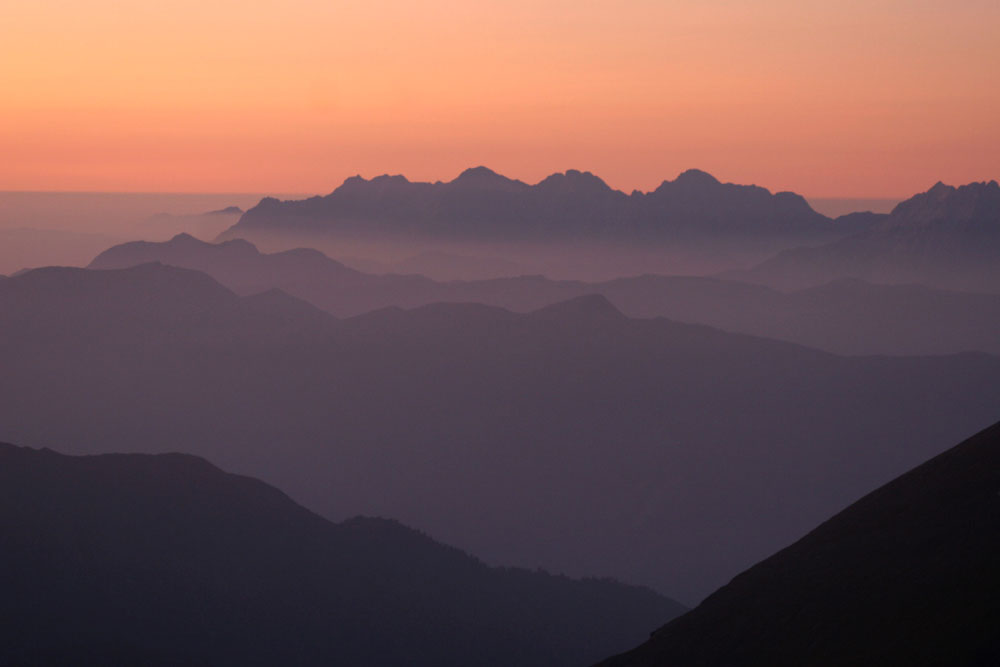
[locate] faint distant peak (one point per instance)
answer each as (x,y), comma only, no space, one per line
(589,307)
(236,244)
(187,242)
(229,210)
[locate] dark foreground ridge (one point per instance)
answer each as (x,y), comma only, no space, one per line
(139,559)
(908,575)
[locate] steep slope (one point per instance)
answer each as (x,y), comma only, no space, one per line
(848,316)
(168,560)
(946,236)
(571,438)
(907,576)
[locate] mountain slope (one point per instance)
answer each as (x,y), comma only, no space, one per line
(571,438)
(168,560)
(906,575)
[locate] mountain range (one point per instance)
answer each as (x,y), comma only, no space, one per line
(482,205)
(846,316)
(167,560)
(948,236)
(572,437)
(907,576)
(569,225)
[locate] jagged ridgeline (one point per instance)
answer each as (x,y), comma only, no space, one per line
(483,205)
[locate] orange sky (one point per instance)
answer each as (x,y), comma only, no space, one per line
(848,98)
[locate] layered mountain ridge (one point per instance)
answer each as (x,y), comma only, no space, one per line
(609,428)
(847,316)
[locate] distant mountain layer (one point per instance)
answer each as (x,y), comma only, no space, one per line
(946,236)
(482,205)
(136,559)
(572,437)
(907,575)
(846,316)
(205,225)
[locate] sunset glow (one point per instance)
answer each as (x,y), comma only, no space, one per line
(861,99)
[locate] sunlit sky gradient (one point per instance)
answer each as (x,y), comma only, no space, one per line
(848,98)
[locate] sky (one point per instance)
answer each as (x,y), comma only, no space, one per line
(880,98)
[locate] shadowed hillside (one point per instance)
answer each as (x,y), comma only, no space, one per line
(132,559)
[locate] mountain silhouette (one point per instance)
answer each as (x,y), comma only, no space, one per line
(906,575)
(570,438)
(482,205)
(846,316)
(946,236)
(138,559)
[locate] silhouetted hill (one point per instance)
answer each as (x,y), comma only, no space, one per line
(481,205)
(848,316)
(946,236)
(135,559)
(905,576)
(571,438)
